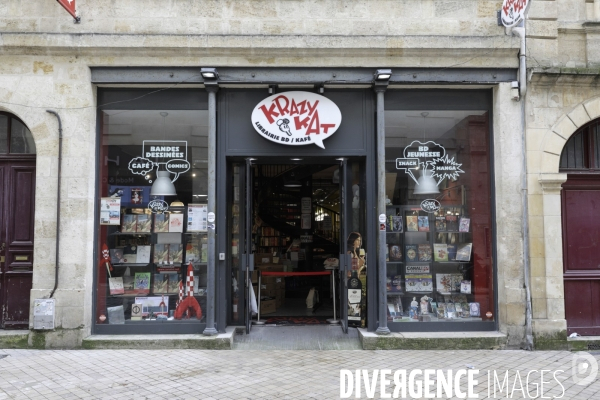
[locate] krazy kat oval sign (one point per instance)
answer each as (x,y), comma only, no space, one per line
(296,118)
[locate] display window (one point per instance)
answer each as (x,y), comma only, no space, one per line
(151,211)
(438,195)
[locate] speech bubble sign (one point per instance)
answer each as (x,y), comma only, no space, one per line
(446,167)
(296,118)
(177,167)
(426,152)
(140,166)
(407,164)
(158,206)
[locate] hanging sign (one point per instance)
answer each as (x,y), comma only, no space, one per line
(157,206)
(69,5)
(296,118)
(431,159)
(430,205)
(513,12)
(172,154)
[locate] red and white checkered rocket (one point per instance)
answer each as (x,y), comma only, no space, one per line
(190,280)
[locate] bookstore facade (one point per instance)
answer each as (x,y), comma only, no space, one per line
(299,206)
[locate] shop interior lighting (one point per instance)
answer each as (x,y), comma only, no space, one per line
(296,159)
(163,186)
(426,182)
(383,74)
(293,183)
(209,73)
(176,207)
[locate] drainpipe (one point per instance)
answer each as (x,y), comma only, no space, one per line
(519,31)
(60,137)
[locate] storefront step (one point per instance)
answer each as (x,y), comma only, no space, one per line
(433,340)
(13,339)
(222,341)
(584,343)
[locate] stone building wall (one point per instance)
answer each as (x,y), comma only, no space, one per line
(46,60)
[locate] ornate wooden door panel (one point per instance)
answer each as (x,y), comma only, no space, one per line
(17,225)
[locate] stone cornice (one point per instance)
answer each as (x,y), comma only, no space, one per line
(552,183)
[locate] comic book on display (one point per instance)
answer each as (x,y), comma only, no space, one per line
(144,223)
(412,223)
(463,225)
(451,223)
(412,252)
(129,223)
(395,254)
(424,252)
(419,283)
(141,283)
(423,222)
(440,224)
(161,223)
(394,284)
(440,252)
(463,252)
(115,285)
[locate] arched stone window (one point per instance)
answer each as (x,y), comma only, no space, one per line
(582,151)
(15,137)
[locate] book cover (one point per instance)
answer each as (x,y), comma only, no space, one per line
(129,223)
(440,224)
(464,224)
(176,253)
(419,283)
(441,310)
(394,284)
(412,223)
(203,252)
(161,283)
(130,254)
(474,309)
(459,298)
(465,287)
(161,223)
(424,252)
(175,222)
(458,309)
(463,252)
(143,255)
(443,283)
(440,252)
(466,310)
(128,281)
(144,223)
(423,222)
(397,224)
(451,223)
(173,282)
(137,196)
(450,310)
(116,256)
(161,253)
(141,283)
(387,253)
(395,253)
(116,315)
(412,252)
(451,252)
(115,285)
(192,251)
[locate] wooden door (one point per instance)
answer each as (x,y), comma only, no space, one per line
(17,201)
(581,253)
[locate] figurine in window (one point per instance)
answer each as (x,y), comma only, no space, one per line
(424,305)
(414,309)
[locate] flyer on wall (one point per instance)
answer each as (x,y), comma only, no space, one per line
(197,218)
(110,211)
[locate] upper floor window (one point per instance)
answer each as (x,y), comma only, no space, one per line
(582,151)
(15,137)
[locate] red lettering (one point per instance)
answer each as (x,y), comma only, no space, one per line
(311,109)
(270,113)
(302,105)
(301,123)
(282,110)
(314,126)
(294,108)
(326,127)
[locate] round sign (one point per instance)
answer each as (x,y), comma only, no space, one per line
(158,206)
(430,205)
(382,218)
(211,217)
(513,12)
(296,118)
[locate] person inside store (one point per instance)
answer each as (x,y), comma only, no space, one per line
(354,248)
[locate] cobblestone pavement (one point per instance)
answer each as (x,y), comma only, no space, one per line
(279,374)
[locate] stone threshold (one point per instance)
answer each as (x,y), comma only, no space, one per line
(583,343)
(14,339)
(484,340)
(222,341)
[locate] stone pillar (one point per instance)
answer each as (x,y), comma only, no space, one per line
(551,332)
(597,10)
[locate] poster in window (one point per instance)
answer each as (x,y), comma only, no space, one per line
(197,218)
(110,211)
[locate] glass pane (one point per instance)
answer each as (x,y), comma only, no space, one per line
(438,207)
(236,229)
(596,143)
(155,242)
(3,134)
(573,156)
(21,140)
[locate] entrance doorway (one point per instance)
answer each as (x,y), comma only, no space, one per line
(290,235)
(17,199)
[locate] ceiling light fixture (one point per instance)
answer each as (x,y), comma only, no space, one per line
(383,74)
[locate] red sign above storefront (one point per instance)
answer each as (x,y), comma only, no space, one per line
(296,118)
(513,12)
(69,5)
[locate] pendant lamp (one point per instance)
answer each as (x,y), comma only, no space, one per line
(163,186)
(426,184)
(293,183)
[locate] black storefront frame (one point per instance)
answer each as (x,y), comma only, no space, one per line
(147,76)
(448,100)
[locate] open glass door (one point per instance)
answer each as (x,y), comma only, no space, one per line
(248,257)
(344,256)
